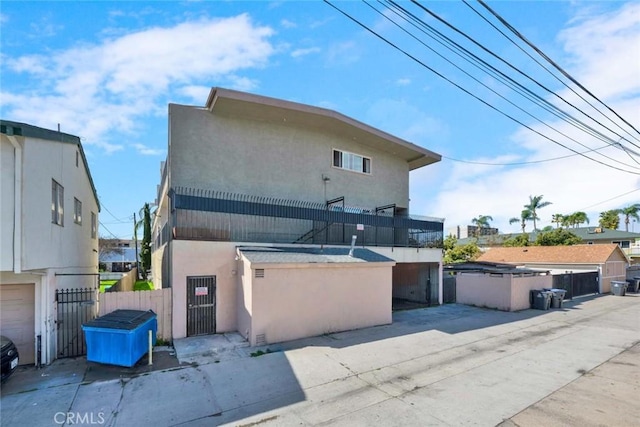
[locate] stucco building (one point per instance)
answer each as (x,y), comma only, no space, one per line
(48,218)
(247,171)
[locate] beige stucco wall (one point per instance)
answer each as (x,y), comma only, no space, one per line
(194,258)
(277,160)
(297,301)
(504,292)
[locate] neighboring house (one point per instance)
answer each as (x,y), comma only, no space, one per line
(608,260)
(49,219)
(248,171)
(589,235)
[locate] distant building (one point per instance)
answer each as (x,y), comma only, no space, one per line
(466,231)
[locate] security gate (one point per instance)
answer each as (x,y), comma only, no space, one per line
(201,305)
(75,307)
(577,284)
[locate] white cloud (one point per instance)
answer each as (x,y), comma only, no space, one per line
(197,93)
(3,18)
(288,24)
(96,89)
(303,52)
(599,47)
(148,151)
(403,82)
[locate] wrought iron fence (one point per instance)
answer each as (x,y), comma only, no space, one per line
(212,215)
(75,307)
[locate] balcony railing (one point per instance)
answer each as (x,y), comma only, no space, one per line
(211,215)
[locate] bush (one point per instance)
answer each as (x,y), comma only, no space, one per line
(143,285)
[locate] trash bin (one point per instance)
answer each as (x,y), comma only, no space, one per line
(634,285)
(120,337)
(540,299)
(618,288)
(557,296)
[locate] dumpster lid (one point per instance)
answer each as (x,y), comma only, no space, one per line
(121,319)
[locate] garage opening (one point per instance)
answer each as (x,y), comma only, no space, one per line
(17,318)
(415,285)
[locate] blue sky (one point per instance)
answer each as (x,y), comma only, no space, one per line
(107,70)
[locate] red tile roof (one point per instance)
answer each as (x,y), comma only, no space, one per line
(576,254)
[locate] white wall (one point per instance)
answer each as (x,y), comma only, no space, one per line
(7,180)
(47,245)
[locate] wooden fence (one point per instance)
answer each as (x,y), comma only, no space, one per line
(159,301)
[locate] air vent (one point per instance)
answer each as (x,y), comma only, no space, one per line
(259,273)
(261,339)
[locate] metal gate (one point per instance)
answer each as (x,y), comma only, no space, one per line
(201,305)
(577,284)
(75,307)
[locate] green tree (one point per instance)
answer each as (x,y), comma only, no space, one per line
(610,219)
(535,203)
(525,216)
(558,219)
(517,241)
(630,211)
(557,237)
(575,219)
(481,221)
(145,246)
(459,253)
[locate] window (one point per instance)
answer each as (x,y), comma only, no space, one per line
(94,227)
(77,211)
(57,203)
(351,161)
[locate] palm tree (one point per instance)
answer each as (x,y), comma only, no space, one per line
(482,221)
(610,219)
(630,211)
(579,218)
(535,203)
(525,216)
(558,219)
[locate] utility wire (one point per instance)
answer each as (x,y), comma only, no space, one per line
(613,198)
(468,92)
(493,54)
(554,64)
(520,163)
(543,103)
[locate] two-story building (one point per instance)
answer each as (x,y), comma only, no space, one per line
(282,220)
(48,232)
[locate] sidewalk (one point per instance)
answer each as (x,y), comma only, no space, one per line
(447,366)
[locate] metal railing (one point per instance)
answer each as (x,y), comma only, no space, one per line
(212,215)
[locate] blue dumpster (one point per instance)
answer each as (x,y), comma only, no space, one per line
(120,337)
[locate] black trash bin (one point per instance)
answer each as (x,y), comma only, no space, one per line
(634,285)
(618,288)
(540,299)
(557,297)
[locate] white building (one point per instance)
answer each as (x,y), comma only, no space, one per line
(48,230)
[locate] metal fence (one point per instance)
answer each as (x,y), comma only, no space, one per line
(75,307)
(212,215)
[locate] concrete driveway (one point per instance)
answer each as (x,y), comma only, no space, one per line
(446,366)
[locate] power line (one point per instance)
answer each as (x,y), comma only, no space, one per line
(467,91)
(550,61)
(613,198)
(540,101)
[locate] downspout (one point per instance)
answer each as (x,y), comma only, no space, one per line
(17,205)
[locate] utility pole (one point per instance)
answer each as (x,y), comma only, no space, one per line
(135,238)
